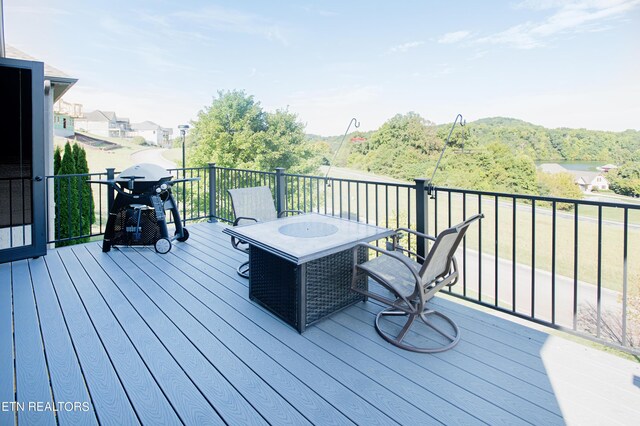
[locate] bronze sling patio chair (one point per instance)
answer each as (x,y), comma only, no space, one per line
(252,205)
(412,285)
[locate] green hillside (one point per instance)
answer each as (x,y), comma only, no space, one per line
(496,154)
(541,143)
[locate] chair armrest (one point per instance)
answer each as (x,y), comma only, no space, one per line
(283,212)
(238,219)
(403,259)
(419,234)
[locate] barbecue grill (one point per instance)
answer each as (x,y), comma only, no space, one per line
(137,216)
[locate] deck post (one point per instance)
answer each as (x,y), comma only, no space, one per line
(421,216)
(281,201)
(212,193)
(110,176)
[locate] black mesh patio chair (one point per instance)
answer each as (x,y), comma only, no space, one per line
(412,285)
(252,205)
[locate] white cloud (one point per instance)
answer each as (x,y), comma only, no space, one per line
(453,37)
(230,20)
(406,46)
(569,18)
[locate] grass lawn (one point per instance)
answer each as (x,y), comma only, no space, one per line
(99,159)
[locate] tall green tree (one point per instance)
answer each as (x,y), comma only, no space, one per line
(67,199)
(85,196)
(57,159)
(235,132)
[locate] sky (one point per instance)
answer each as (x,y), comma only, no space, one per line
(554,63)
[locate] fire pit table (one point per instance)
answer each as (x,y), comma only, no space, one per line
(301,265)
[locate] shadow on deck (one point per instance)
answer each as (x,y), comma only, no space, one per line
(136,337)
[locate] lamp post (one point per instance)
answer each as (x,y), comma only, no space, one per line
(183,132)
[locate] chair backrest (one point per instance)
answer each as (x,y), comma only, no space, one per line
(438,261)
(255,202)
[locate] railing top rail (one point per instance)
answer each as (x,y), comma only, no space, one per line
(334,179)
(538,198)
(76,175)
(187,168)
(245,170)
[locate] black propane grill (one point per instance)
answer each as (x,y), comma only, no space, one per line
(138,214)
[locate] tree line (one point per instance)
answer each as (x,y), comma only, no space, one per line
(493,154)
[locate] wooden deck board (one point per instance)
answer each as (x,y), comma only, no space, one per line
(321,358)
(151,404)
(110,400)
(457,371)
(442,409)
(479,369)
(231,405)
(332,402)
(181,392)
(264,384)
(67,380)
(6,343)
(174,338)
(32,376)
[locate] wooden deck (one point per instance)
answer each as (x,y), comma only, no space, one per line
(136,337)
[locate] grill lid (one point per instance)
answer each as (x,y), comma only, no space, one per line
(147,172)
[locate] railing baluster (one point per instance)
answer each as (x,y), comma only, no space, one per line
(513,255)
(495,249)
(479,249)
(533,258)
(464,247)
(625,276)
(599,288)
(358,201)
(386,206)
(349,200)
(366,197)
(575,266)
(449,210)
(435,209)
(553,263)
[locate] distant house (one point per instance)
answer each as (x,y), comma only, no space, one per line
(590,181)
(103,123)
(63,125)
(151,132)
(64,116)
(587,181)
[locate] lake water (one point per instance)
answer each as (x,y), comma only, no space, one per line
(583,166)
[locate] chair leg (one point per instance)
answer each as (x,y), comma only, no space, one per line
(399,339)
(243,270)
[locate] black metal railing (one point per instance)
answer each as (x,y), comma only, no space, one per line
(72,195)
(569,264)
(564,263)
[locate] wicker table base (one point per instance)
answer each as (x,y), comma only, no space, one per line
(303,294)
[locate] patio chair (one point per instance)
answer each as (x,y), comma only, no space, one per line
(412,285)
(252,205)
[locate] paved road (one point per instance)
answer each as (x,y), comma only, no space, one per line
(153,156)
